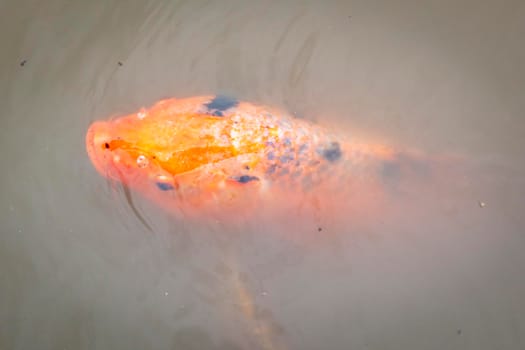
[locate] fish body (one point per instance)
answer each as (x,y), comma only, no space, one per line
(214,155)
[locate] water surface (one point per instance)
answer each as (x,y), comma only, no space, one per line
(439,270)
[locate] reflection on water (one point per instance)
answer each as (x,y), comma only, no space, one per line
(85,265)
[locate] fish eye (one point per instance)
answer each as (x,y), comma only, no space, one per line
(106,145)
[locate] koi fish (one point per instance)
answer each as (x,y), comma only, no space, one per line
(214,155)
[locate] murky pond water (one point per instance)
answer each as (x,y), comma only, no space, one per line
(440,270)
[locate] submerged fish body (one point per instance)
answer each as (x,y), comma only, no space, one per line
(217,154)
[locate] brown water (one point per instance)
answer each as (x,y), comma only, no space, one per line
(79,270)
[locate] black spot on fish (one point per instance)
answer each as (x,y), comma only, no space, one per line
(164,186)
(284,171)
(332,153)
(286,158)
(296,174)
(245,178)
(220,104)
(402,170)
(403,165)
(271,169)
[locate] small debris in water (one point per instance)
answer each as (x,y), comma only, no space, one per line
(23,63)
(482,204)
(166,294)
(459,331)
(319,229)
(264,294)
(120,63)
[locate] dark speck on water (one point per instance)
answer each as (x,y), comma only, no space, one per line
(120,63)
(23,63)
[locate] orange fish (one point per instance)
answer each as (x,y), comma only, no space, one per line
(217,156)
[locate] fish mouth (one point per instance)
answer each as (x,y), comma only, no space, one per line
(110,155)
(97,137)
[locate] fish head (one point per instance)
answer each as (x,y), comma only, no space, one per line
(179,149)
